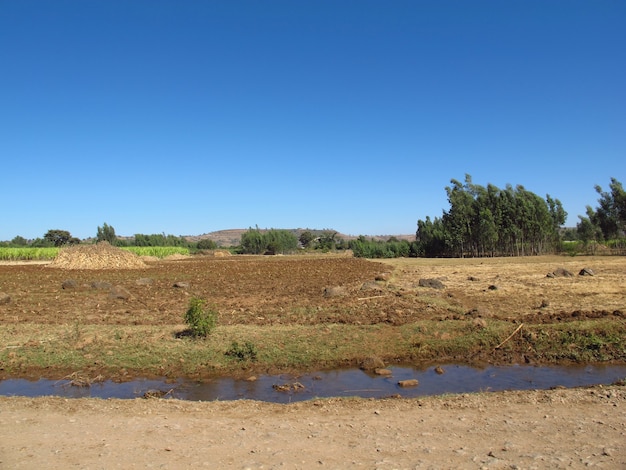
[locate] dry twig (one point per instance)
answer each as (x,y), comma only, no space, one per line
(510,336)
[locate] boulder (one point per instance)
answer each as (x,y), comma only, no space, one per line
(336,291)
(372,363)
(431,283)
(69,284)
(560,272)
(118,292)
(371,286)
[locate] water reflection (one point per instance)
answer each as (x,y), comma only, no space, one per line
(335,383)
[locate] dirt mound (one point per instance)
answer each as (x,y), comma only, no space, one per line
(98,256)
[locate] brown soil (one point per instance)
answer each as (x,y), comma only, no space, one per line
(539,429)
(536,429)
(291,290)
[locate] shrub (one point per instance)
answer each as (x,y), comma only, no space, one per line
(207,244)
(201,320)
(244,352)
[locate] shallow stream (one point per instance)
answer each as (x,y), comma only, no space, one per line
(334,383)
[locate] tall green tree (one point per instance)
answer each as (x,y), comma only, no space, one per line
(610,215)
(252,242)
(306,238)
(60,237)
(457,220)
(19,241)
(106,233)
(280,242)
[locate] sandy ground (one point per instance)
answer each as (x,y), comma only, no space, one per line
(539,429)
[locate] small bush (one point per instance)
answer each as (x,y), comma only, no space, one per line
(201,320)
(243,352)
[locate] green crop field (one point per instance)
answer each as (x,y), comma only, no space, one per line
(27,253)
(158,251)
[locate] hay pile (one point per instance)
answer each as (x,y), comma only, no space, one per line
(221,253)
(99,256)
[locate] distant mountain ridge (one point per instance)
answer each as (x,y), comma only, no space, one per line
(232,237)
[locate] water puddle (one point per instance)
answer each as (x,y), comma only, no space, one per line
(336,383)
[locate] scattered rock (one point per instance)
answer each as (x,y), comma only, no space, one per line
(144,281)
(439,370)
(480,323)
(372,363)
(336,291)
(383,277)
(560,272)
(289,387)
(432,283)
(69,284)
(118,292)
(479,312)
(385,372)
(4,298)
(473,279)
(544,304)
(586,272)
(181,285)
(492,287)
(408,383)
(371,286)
(155,394)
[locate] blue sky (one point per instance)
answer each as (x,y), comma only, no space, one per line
(194,116)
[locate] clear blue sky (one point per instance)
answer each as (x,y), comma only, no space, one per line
(186,117)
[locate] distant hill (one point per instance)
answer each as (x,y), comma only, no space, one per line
(232,237)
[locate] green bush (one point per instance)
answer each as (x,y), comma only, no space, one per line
(201,320)
(207,244)
(243,352)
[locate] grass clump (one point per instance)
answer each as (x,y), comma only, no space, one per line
(242,352)
(200,319)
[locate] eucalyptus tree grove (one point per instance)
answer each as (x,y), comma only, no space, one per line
(489,221)
(608,220)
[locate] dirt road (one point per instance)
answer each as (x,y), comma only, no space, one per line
(539,429)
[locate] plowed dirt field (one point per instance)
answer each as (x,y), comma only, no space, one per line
(312,290)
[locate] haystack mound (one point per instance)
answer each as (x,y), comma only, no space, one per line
(221,253)
(98,256)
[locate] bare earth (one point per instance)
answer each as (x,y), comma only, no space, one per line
(539,429)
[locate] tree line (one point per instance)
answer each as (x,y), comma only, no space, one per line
(59,238)
(489,221)
(481,221)
(274,241)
